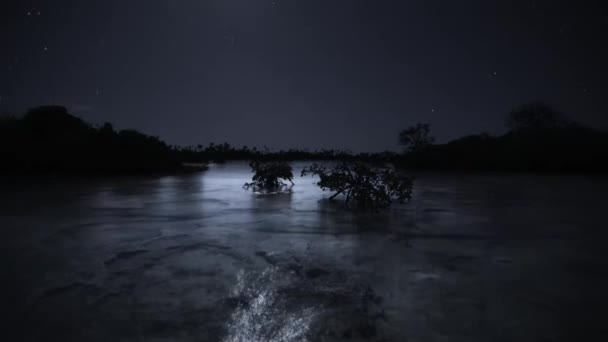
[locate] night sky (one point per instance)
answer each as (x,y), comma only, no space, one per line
(308,74)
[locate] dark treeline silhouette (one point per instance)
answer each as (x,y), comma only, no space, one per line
(48,139)
(539,139)
(225,152)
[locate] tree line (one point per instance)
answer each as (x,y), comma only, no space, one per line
(538,139)
(49,139)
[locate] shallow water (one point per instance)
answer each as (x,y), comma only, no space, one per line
(198,258)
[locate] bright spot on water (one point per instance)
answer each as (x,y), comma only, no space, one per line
(265,316)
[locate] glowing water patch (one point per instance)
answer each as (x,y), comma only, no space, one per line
(265,315)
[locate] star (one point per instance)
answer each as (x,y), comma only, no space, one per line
(29,13)
(494,73)
(45,48)
(38,12)
(433,110)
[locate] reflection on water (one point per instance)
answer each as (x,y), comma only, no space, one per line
(263,315)
(198,258)
(295,300)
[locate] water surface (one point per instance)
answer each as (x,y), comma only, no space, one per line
(198,258)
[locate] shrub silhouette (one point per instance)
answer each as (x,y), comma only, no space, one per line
(269,175)
(369,186)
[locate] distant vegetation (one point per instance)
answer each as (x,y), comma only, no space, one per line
(539,139)
(367,185)
(270,175)
(49,140)
(225,152)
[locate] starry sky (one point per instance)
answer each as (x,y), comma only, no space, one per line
(343,74)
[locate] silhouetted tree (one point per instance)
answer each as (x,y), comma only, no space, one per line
(371,186)
(416,137)
(270,175)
